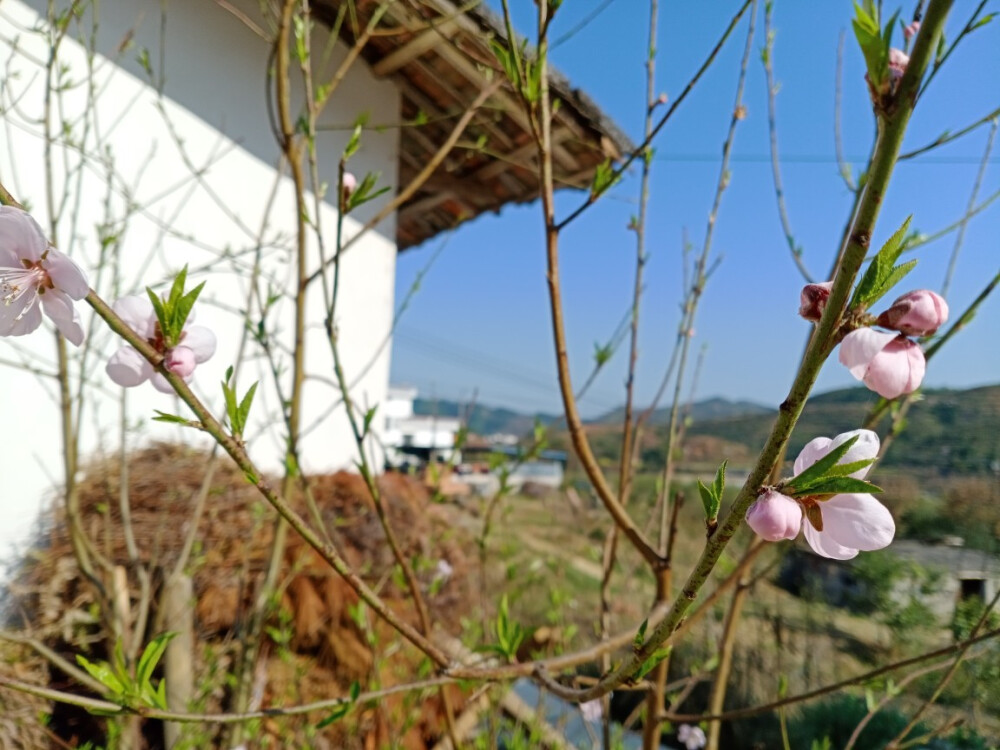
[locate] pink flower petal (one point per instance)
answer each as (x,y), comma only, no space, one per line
(864,449)
(859,348)
(137,313)
(21,317)
(21,234)
(201,341)
(858,521)
(66,275)
(160,383)
(897,369)
(812,452)
(60,310)
(823,545)
(128,368)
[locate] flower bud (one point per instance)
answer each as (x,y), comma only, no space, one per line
(180,361)
(918,313)
(812,300)
(349,184)
(774,517)
(911,30)
(898,60)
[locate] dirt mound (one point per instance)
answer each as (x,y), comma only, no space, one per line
(320,638)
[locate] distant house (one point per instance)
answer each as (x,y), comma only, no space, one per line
(547,468)
(179,161)
(412,439)
(958,573)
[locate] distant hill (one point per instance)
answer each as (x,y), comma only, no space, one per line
(486,420)
(483,420)
(948,432)
(709,408)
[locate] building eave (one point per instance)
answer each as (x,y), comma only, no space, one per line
(439,56)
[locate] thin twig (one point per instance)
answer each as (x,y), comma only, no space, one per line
(779,193)
(946,284)
(641,149)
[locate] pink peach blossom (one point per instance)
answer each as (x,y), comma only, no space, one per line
(813,299)
(851,522)
(774,517)
(917,313)
(888,363)
(32,272)
(128,368)
(910,30)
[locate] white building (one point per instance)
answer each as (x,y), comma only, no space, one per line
(163,155)
(411,438)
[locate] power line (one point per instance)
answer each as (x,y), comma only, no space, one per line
(815,159)
(443,349)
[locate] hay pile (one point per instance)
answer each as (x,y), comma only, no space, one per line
(319,639)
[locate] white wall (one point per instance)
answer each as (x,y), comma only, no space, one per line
(215,90)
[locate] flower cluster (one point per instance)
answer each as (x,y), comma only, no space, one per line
(888,362)
(839,526)
(35,277)
(128,368)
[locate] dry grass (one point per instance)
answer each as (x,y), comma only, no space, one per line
(321,639)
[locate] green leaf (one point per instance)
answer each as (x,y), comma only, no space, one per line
(151,656)
(719,485)
(171,418)
(354,143)
(365,191)
(161,313)
(874,49)
(336,714)
(231,408)
(895,276)
(942,47)
(982,21)
(507,62)
(876,281)
(604,178)
(655,658)
(843,470)
(103,673)
(369,416)
(182,308)
(640,636)
(709,501)
(243,411)
(830,486)
(602,354)
(821,468)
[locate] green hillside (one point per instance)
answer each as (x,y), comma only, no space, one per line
(948,432)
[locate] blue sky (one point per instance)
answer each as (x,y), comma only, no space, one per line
(479,323)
